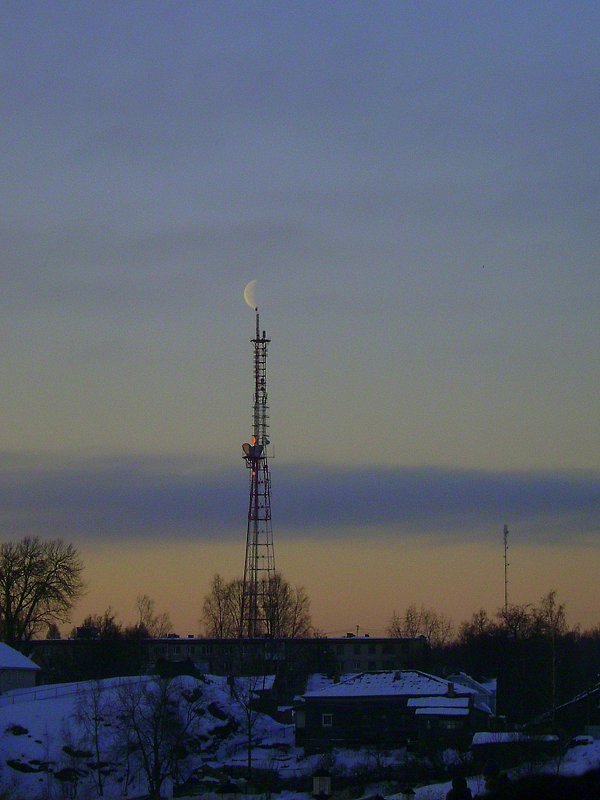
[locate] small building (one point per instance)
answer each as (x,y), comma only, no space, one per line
(388,709)
(290,659)
(486,690)
(16,670)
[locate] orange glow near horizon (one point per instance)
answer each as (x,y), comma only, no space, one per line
(348,582)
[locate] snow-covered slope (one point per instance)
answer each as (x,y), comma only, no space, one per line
(46,735)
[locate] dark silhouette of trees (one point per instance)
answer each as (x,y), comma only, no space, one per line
(479,625)
(539,661)
(150,623)
(92,713)
(103,626)
(435,626)
(221,610)
(286,609)
(40,581)
(157,725)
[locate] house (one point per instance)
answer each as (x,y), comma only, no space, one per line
(486,692)
(388,709)
(290,659)
(16,670)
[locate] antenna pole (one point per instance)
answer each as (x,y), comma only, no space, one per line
(506,565)
(259,565)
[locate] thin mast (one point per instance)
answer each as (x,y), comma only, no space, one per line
(506,568)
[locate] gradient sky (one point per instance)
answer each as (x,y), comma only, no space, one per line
(416,188)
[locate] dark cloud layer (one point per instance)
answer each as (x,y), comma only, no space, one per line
(154,497)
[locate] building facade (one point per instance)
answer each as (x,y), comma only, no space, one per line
(387,710)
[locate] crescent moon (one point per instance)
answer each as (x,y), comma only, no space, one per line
(249,294)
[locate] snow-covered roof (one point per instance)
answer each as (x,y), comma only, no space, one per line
(487,687)
(509,737)
(438,702)
(12,659)
(317,681)
(388,683)
(441,711)
(490,685)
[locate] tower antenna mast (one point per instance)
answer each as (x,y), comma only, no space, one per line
(506,565)
(259,565)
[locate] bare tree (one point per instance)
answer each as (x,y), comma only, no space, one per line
(40,581)
(480,624)
(550,616)
(92,711)
(284,608)
(517,620)
(551,620)
(245,689)
(99,626)
(217,612)
(412,621)
(152,624)
(437,628)
(156,723)
(53,631)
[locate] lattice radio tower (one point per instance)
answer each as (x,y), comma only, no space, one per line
(259,567)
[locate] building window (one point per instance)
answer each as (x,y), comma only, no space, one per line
(372,665)
(372,650)
(326,720)
(451,724)
(356,649)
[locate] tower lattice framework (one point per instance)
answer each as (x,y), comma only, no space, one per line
(259,566)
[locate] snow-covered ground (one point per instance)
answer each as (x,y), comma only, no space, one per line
(45,736)
(45,733)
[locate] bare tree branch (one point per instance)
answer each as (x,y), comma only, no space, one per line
(40,581)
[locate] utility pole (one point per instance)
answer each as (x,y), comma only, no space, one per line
(506,569)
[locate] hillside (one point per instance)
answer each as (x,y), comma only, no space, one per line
(67,740)
(48,736)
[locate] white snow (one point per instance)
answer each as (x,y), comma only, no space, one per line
(446,702)
(388,683)
(508,737)
(12,659)
(37,724)
(441,711)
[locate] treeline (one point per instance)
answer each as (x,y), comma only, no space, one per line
(283,610)
(539,661)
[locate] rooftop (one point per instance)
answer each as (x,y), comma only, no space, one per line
(12,659)
(388,683)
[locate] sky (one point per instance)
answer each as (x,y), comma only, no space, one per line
(415,186)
